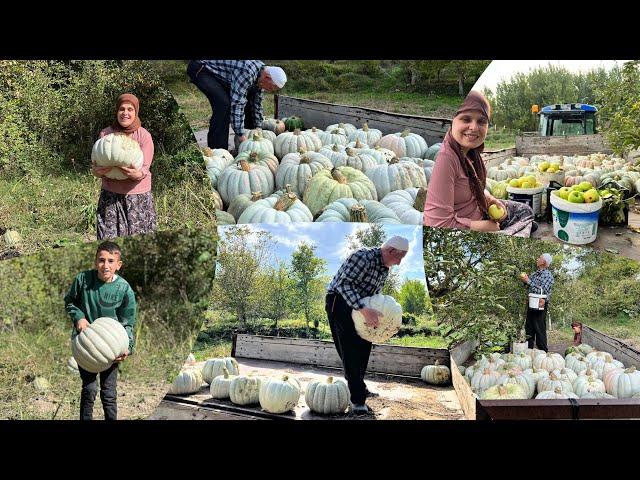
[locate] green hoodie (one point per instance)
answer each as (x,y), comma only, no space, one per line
(91,298)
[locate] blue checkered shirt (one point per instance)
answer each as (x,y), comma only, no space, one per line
(242,77)
(361,275)
(541,279)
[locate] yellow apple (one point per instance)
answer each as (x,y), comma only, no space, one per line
(496,212)
(514,182)
(591,196)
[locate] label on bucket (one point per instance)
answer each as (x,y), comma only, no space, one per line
(533,200)
(576,228)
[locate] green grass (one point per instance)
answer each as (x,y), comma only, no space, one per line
(623,327)
(499,139)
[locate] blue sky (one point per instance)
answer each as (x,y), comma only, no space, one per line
(332,246)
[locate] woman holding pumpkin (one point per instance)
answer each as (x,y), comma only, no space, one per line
(126,206)
(457,197)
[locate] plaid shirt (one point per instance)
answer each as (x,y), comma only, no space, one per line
(241,76)
(361,275)
(541,279)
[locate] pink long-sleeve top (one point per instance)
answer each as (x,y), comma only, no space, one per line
(129,187)
(450,201)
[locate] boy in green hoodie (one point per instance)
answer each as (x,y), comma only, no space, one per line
(96,293)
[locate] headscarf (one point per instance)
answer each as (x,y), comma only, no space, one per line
(472,163)
(133,100)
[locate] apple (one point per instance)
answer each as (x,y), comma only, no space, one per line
(564,193)
(553,168)
(584,186)
(576,197)
(591,196)
(527,185)
(544,166)
(530,178)
(496,212)
(514,182)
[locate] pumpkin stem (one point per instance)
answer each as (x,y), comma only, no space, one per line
(394,160)
(296,131)
(244,165)
(256,136)
(359,144)
(358,214)
(365,128)
(338,176)
(285,201)
(437,361)
(558,390)
(502,390)
(329,380)
(405,133)
(350,152)
(335,147)
(256,196)
(305,159)
(421,198)
(335,131)
(302,150)
(285,378)
(225,372)
(288,188)
(208,152)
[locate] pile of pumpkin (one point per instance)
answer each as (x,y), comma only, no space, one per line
(596,168)
(279,394)
(283,173)
(582,373)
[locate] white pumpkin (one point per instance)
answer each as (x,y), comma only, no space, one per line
(296,169)
(407,204)
(220,385)
(285,208)
(330,397)
(577,362)
(245,389)
(279,395)
(511,391)
(258,144)
(98,345)
(215,162)
(555,394)
(492,363)
(597,395)
(72,365)
(397,175)
(347,127)
(291,142)
(333,152)
(404,144)
(565,374)
(548,361)
(367,135)
(524,380)
(596,356)
(537,374)
(622,383)
(268,160)
(523,360)
(241,203)
(215,366)
(363,211)
(585,384)
(337,136)
(244,179)
(187,382)
(268,134)
(602,366)
(436,374)
(117,150)
(389,322)
(483,379)
(358,160)
(553,382)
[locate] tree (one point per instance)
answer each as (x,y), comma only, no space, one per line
(413,297)
(305,268)
(277,289)
(242,256)
(371,236)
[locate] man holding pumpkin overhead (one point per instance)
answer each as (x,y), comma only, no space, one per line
(234,89)
(361,275)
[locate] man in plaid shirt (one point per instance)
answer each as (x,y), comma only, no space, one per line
(540,282)
(361,275)
(234,89)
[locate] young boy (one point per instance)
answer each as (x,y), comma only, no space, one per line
(101,293)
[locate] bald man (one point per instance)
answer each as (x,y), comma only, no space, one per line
(540,281)
(361,275)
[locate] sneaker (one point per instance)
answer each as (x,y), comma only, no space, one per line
(358,409)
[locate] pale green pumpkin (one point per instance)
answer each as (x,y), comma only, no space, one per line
(274,125)
(221,384)
(215,366)
(329,397)
(358,145)
(524,380)
(555,394)
(255,158)
(224,218)
(436,374)
(397,175)
(511,391)
(432,152)
(337,136)
(367,135)
(245,390)
(405,144)
(327,186)
(188,381)
(256,143)
(407,204)
(98,345)
(117,150)
(296,169)
(279,395)
(242,202)
(363,211)
(359,161)
(285,208)
(245,178)
(333,152)
(291,142)
(347,127)
(268,134)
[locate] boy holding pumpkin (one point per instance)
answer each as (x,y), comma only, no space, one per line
(96,293)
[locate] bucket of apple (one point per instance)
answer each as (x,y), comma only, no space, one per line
(550,172)
(527,190)
(575,211)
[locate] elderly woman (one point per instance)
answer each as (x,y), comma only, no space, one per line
(126,206)
(457,197)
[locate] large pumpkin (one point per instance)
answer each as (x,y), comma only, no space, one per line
(187,381)
(623,383)
(555,394)
(363,211)
(256,143)
(333,152)
(511,391)
(407,204)
(565,374)
(337,136)
(553,382)
(327,186)
(220,385)
(215,366)
(404,144)
(484,378)
(274,125)
(291,142)
(585,384)
(347,127)
(268,160)
(359,161)
(501,173)
(98,345)
(279,395)
(117,150)
(524,380)
(241,203)
(389,322)
(397,175)
(367,135)
(296,169)
(284,208)
(245,178)
(436,374)
(268,134)
(215,162)
(224,218)
(245,390)
(330,397)
(549,361)
(432,151)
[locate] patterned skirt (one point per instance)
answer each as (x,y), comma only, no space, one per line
(519,219)
(122,215)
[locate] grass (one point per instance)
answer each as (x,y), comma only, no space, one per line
(499,139)
(623,327)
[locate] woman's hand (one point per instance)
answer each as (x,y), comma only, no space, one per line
(122,357)
(100,171)
(132,173)
(491,200)
(485,226)
(81,325)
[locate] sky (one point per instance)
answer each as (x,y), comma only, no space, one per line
(500,70)
(331,241)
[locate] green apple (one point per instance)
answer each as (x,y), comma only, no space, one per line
(514,182)
(576,197)
(553,168)
(529,178)
(584,186)
(564,193)
(496,212)
(591,196)
(544,166)
(527,185)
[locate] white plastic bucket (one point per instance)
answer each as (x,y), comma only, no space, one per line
(530,196)
(519,347)
(575,223)
(534,301)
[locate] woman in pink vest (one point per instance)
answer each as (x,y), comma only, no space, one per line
(126,206)
(456,197)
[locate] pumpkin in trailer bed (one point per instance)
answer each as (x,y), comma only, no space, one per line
(284,208)
(358,145)
(549,361)
(242,202)
(274,125)
(585,384)
(555,394)
(293,123)
(484,378)
(336,136)
(98,345)
(524,380)
(407,204)
(598,395)
(333,152)
(245,177)
(256,143)
(215,366)
(565,374)
(432,152)
(268,134)
(117,150)
(291,142)
(363,211)
(327,186)
(396,175)
(347,127)
(279,394)
(297,168)
(369,136)
(268,160)
(622,383)
(358,160)
(220,385)
(224,218)
(511,391)
(245,390)
(404,144)
(389,322)
(187,382)
(436,374)
(329,397)
(553,382)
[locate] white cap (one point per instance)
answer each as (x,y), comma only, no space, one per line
(547,258)
(399,243)
(277,76)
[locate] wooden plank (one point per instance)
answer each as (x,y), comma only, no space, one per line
(459,355)
(495,158)
(388,359)
(174,410)
(570,145)
(620,350)
(322,114)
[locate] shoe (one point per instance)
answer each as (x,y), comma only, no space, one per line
(534,227)
(358,409)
